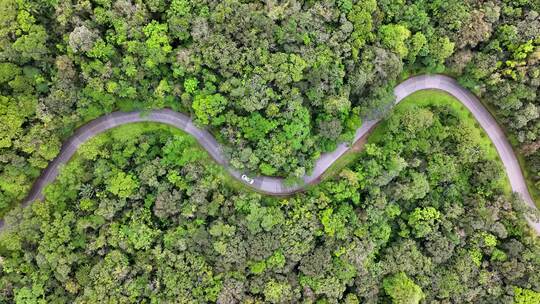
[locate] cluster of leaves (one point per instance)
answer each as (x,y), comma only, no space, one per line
(143,216)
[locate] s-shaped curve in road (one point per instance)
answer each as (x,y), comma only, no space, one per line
(276,186)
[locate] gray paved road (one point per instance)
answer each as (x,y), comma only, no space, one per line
(275,186)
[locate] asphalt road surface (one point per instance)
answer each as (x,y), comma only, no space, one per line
(276,186)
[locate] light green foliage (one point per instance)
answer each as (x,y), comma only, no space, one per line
(277,292)
(179,17)
(360,16)
(220,247)
(220,229)
(417,46)
(180,7)
(11,119)
(337,105)
(267,169)
(525,296)
(489,239)
(8,71)
(402,290)
(181,150)
(122,184)
(351,299)
(345,5)
(394,37)
(422,220)
(92,148)
(440,49)
(258,267)
(498,255)
(86,204)
(139,235)
(27,295)
(257,127)
(415,120)
(157,43)
(262,218)
(476,256)
(335,223)
(277,260)
(208,107)
(290,68)
(190,85)
(523,50)
(416,188)
(31,38)
(101,50)
(163,88)
(296,67)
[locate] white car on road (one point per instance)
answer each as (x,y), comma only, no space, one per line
(248,179)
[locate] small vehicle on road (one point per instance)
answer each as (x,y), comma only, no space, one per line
(248,179)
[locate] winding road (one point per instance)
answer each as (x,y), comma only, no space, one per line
(276,186)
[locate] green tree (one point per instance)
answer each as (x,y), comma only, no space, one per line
(417,46)
(440,48)
(277,292)
(393,37)
(257,127)
(525,296)
(402,290)
(122,184)
(360,17)
(191,85)
(208,107)
(423,220)
(11,119)
(157,44)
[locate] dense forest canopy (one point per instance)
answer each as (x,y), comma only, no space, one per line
(140,215)
(278,82)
